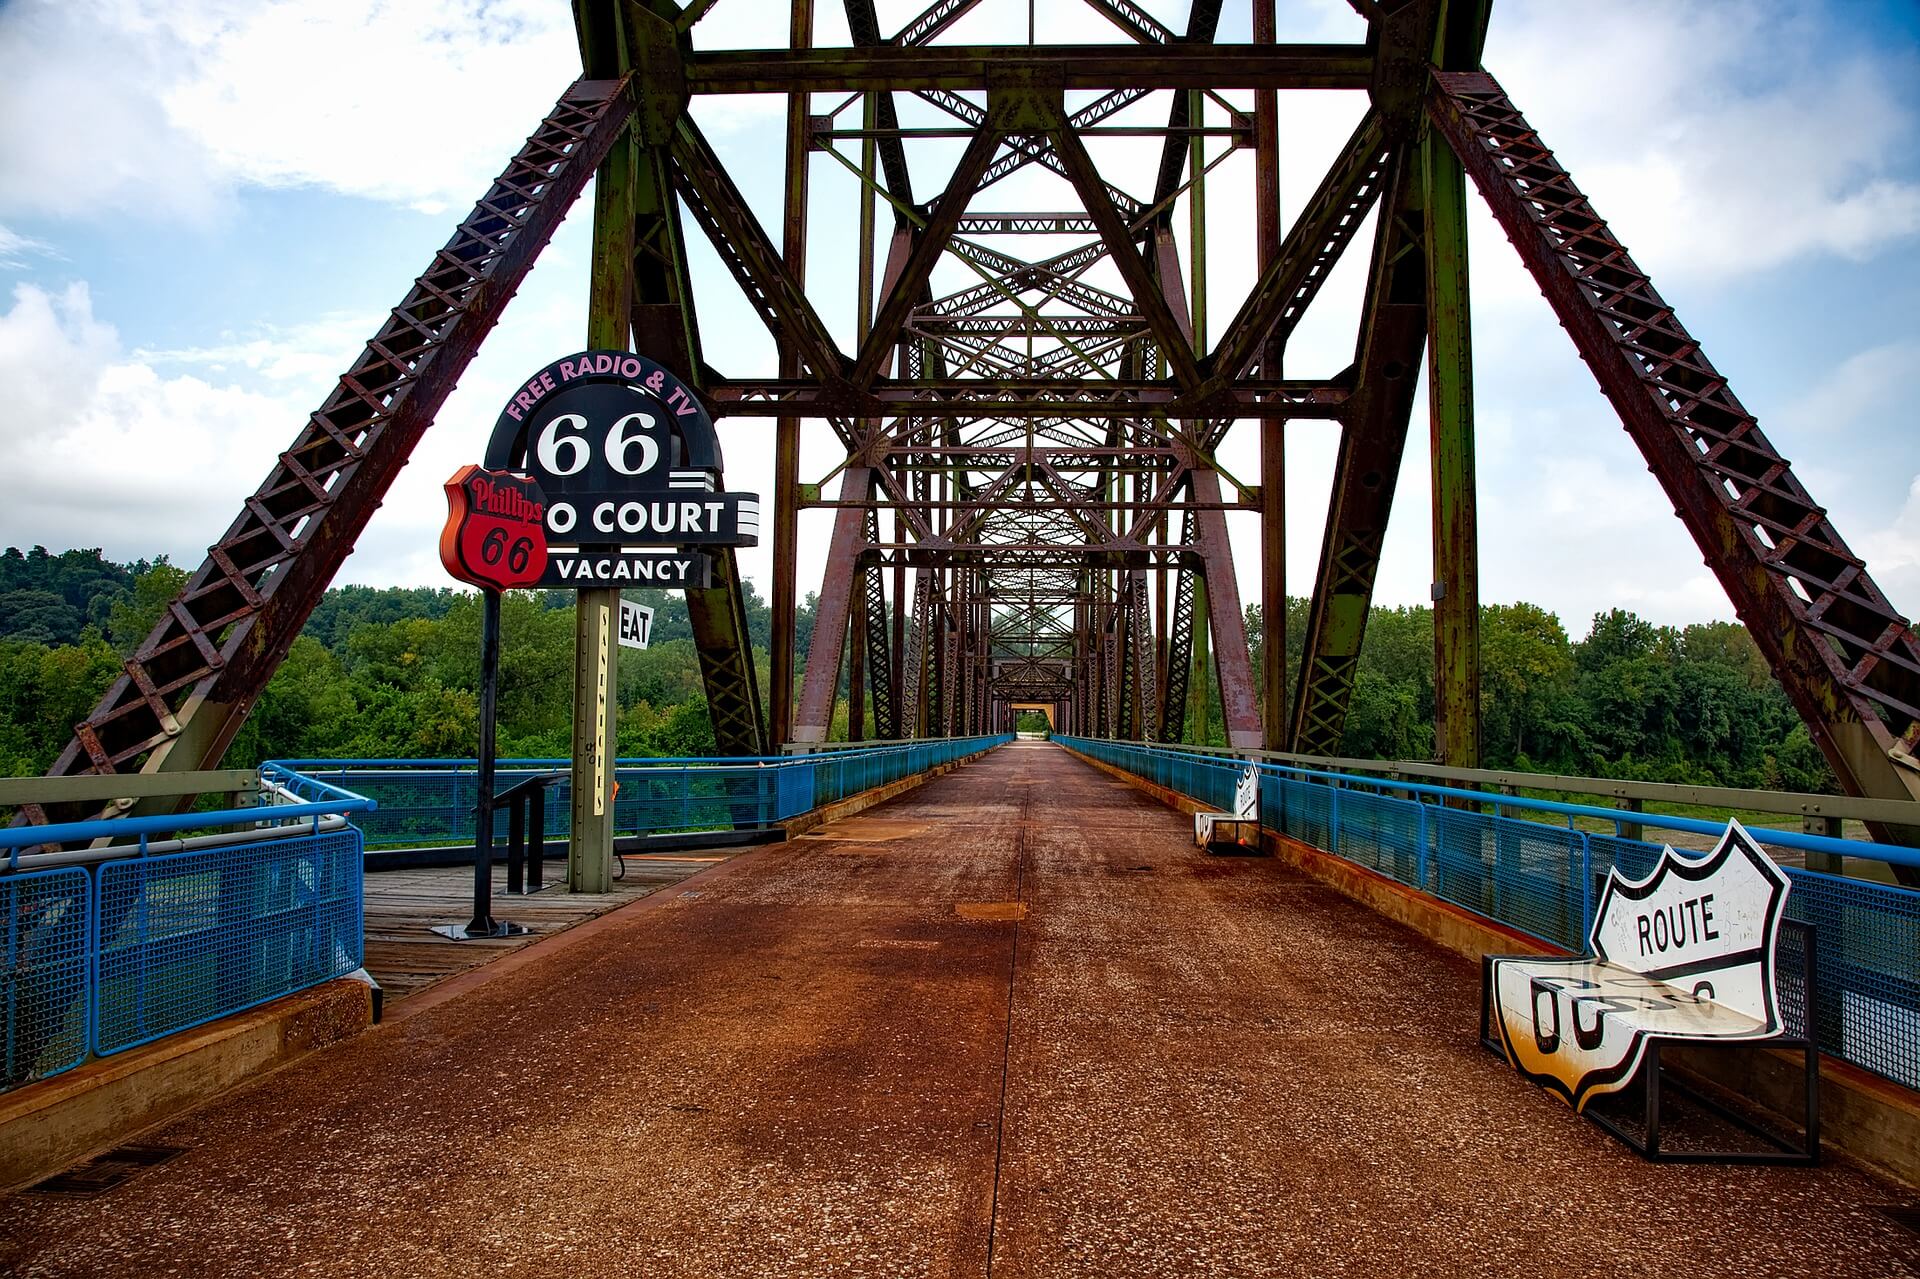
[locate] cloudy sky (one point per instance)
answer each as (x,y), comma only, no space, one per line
(207,205)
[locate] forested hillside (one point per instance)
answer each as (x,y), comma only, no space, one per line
(396,672)
(1693,704)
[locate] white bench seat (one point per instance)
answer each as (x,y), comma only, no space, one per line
(1687,955)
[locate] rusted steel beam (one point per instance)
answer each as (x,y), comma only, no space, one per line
(879,650)
(902,708)
(1293,277)
(864,25)
(913,665)
(1273,459)
(1233,664)
(192,681)
(1094,66)
(1394,330)
(762,273)
(821,680)
(1849,661)
(934,19)
(856,659)
(719,620)
(1203,19)
(1225,624)
(1456,530)
(1062,398)
(1273,584)
(1144,661)
(786,453)
(1133,20)
(1175,342)
(1173,708)
(928,245)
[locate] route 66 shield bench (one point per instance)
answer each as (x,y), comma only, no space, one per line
(1237,832)
(1691,954)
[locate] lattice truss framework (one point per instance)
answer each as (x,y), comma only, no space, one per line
(1031,506)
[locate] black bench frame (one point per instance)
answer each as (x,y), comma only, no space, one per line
(1655,1080)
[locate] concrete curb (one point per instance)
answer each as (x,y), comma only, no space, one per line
(55,1123)
(1872,1120)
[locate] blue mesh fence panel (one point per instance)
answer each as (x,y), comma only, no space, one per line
(1461,868)
(1309,812)
(1536,880)
(192,936)
(796,789)
(45,972)
(1636,858)
(433,804)
(1382,834)
(693,799)
(1867,969)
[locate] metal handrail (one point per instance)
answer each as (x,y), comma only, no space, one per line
(14,839)
(1781,803)
(1892,854)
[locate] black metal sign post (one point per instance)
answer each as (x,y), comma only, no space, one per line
(482,924)
(493,539)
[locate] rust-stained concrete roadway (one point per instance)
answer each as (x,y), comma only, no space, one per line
(1012,1024)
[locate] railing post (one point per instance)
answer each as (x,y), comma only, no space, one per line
(1333,817)
(1832,828)
(536,836)
(1421,846)
(1586,883)
(517,843)
(1632,830)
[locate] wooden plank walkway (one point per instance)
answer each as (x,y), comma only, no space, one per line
(402,906)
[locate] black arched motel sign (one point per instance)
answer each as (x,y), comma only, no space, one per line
(630,465)
(603,471)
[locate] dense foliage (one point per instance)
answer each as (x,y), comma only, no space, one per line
(395,672)
(1694,704)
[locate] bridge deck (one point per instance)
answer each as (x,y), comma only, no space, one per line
(1010,1023)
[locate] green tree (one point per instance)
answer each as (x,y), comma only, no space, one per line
(133,614)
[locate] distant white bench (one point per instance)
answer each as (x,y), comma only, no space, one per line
(1689,955)
(1238,831)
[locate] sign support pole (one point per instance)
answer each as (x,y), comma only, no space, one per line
(482,924)
(590,852)
(596,658)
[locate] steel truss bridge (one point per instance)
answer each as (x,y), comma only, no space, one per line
(1031,508)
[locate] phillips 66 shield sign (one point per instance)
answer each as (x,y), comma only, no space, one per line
(495,536)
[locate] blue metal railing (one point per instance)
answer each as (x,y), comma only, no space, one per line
(430,803)
(1540,877)
(147,936)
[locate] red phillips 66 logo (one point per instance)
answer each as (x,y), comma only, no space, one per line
(495,537)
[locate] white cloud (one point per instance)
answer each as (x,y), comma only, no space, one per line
(1893,553)
(107,452)
(80,127)
(1720,140)
(311,353)
(417,103)
(1864,393)
(15,248)
(166,108)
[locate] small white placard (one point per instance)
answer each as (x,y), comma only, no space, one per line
(636,624)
